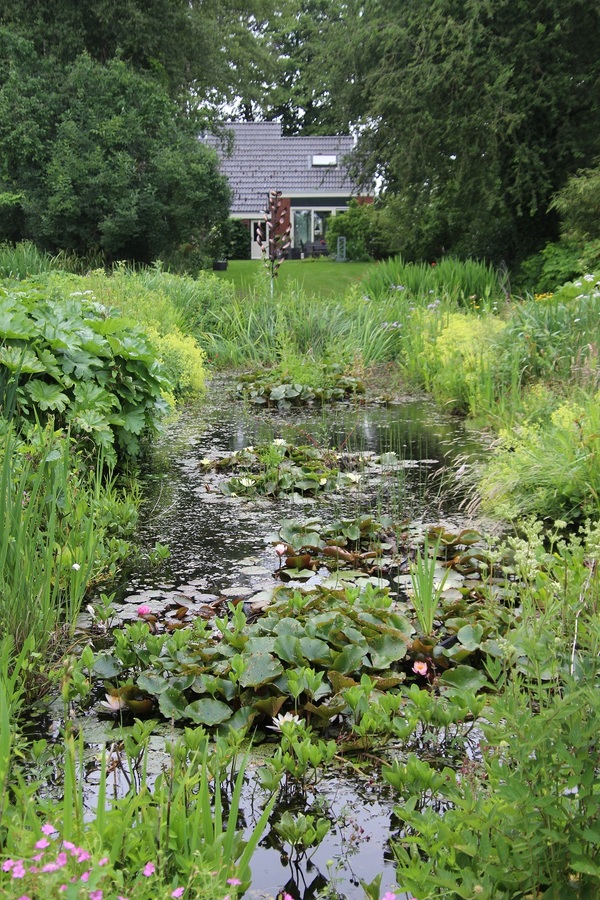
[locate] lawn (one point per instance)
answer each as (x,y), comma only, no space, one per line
(320,277)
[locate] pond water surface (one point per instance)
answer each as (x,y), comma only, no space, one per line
(223,546)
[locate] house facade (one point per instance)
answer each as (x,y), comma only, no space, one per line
(310,171)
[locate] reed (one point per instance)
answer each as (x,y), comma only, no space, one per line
(45,555)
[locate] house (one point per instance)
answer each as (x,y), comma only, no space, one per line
(310,171)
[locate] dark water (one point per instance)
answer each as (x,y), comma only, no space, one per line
(209,534)
(220,546)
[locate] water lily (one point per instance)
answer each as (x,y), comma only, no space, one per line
(143,610)
(113,703)
(283,719)
(420,668)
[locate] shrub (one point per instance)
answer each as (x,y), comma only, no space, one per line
(72,361)
(237,239)
(181,359)
(545,271)
(362,226)
(460,363)
(549,469)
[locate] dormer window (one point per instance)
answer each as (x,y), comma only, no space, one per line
(324,160)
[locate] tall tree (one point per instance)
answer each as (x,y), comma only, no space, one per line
(199,45)
(99,158)
(100,108)
(472,112)
(298,40)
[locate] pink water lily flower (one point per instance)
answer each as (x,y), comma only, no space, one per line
(143,610)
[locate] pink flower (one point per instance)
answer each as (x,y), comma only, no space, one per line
(178,892)
(18,869)
(47,828)
(67,845)
(389,895)
(104,861)
(287,897)
(233,881)
(7,865)
(61,860)
(421,669)
(144,610)
(24,897)
(42,844)
(95,895)
(85,876)
(149,869)
(82,855)
(37,857)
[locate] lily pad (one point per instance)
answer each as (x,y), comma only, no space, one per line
(208,711)
(172,703)
(464,678)
(260,669)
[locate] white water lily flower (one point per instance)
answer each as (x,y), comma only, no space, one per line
(206,461)
(279,442)
(281,721)
(247,482)
(353,476)
(113,703)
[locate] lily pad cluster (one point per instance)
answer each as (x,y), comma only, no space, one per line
(277,387)
(279,469)
(303,652)
(357,545)
(313,645)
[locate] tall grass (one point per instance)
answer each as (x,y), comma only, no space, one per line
(46,554)
(464,281)
(19,261)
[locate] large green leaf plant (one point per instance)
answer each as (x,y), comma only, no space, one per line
(70,359)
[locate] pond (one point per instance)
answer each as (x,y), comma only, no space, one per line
(210,536)
(223,547)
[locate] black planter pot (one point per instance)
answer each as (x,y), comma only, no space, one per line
(219,265)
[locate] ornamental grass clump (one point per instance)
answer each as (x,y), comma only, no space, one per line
(549,468)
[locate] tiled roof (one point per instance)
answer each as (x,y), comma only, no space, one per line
(262,159)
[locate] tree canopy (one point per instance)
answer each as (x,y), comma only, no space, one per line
(473,113)
(101,106)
